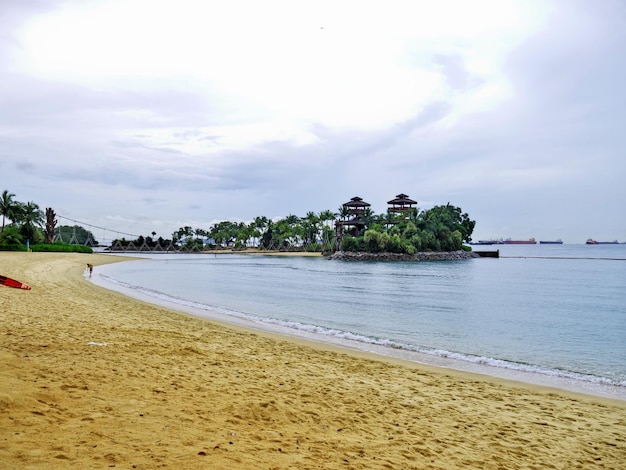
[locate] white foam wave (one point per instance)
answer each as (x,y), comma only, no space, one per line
(347,336)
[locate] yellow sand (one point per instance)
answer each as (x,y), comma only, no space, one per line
(92,379)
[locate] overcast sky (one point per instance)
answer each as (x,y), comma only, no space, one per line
(148,115)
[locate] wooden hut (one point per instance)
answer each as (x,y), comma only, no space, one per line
(350,220)
(401,207)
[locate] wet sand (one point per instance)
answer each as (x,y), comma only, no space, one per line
(90,378)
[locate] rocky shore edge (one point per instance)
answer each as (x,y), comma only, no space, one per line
(421,256)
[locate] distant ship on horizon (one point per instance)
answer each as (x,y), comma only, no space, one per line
(488,242)
(591,241)
(551,242)
(530,241)
(508,241)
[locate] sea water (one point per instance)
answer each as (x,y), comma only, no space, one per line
(548,314)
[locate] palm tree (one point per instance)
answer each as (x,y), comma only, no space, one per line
(343,212)
(414,215)
(327,216)
(311,227)
(254,233)
(182,234)
(8,207)
(328,231)
(243,235)
(30,218)
(267,234)
(261,225)
(367,217)
(51,224)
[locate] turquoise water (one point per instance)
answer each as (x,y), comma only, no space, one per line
(557,311)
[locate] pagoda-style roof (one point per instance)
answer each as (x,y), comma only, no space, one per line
(402,200)
(352,212)
(400,206)
(357,202)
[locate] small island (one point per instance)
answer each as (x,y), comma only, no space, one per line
(403,233)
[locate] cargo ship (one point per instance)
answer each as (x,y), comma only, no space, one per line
(551,242)
(530,241)
(590,241)
(488,242)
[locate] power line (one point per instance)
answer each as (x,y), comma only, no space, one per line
(95,226)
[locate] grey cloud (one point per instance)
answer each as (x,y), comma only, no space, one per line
(367,144)
(25,167)
(28,101)
(454,70)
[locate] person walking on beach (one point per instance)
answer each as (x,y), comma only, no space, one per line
(90,267)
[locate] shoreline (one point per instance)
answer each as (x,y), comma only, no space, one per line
(377,351)
(91,377)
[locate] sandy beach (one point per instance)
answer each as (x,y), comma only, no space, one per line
(92,379)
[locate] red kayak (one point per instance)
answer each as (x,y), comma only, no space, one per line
(7,281)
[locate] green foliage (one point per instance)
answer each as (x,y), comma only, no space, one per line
(374,241)
(442,228)
(410,249)
(350,243)
(61,248)
(11,237)
(9,208)
(416,242)
(313,247)
(396,244)
(75,234)
(12,240)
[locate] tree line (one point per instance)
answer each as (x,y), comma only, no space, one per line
(313,232)
(441,228)
(25,223)
(25,219)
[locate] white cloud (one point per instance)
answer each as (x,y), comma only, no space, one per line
(152,112)
(346,64)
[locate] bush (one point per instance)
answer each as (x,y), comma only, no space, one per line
(409,249)
(350,243)
(61,248)
(375,241)
(12,248)
(416,242)
(395,244)
(11,237)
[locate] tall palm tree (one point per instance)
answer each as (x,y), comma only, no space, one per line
(31,217)
(268,233)
(8,207)
(327,216)
(261,224)
(311,227)
(343,211)
(51,224)
(254,233)
(291,229)
(243,234)
(367,217)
